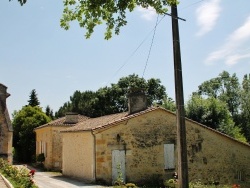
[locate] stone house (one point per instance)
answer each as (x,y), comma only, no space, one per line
(141,144)
(49,142)
(6,130)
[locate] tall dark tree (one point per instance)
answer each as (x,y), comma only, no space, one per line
(33,99)
(67,107)
(49,112)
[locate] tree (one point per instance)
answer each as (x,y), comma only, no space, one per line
(67,107)
(110,100)
(213,113)
(22,2)
(244,117)
(169,104)
(49,112)
(24,140)
(225,88)
(90,13)
(33,101)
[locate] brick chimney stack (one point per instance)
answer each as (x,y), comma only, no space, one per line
(137,100)
(71,118)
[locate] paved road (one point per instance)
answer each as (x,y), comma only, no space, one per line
(56,180)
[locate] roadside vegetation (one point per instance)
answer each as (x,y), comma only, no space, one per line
(18,177)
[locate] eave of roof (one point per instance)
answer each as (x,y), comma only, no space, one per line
(108,121)
(60,122)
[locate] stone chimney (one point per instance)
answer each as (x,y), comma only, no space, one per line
(71,118)
(137,100)
(6,130)
(3,95)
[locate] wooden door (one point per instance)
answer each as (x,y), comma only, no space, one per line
(118,165)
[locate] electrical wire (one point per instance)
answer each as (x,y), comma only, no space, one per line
(150,48)
(134,52)
(192,4)
(143,41)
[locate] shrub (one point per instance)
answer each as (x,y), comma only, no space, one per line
(19,177)
(40,158)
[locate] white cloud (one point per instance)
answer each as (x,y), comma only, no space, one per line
(207,15)
(230,52)
(147,14)
(234,59)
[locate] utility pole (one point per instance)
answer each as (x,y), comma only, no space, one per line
(180,112)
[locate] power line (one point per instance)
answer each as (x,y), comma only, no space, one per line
(192,4)
(143,41)
(133,53)
(152,41)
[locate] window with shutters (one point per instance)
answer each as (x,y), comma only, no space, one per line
(169,162)
(42,148)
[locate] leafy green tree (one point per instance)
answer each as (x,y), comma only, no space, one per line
(110,100)
(91,13)
(24,140)
(213,113)
(225,88)
(244,117)
(168,104)
(33,99)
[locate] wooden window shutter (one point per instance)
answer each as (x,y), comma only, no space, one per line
(169,156)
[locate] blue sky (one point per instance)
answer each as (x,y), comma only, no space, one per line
(35,53)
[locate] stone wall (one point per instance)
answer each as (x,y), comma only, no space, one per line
(57,148)
(143,138)
(216,157)
(6,130)
(211,155)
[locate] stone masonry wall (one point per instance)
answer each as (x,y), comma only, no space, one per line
(57,148)
(211,156)
(142,138)
(6,131)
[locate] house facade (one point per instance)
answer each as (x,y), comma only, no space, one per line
(141,145)
(6,130)
(49,141)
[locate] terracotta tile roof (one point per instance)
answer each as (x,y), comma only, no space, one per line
(113,119)
(60,122)
(106,121)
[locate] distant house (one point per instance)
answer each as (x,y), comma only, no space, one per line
(141,143)
(6,130)
(49,141)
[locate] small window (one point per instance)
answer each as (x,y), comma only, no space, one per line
(240,176)
(169,162)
